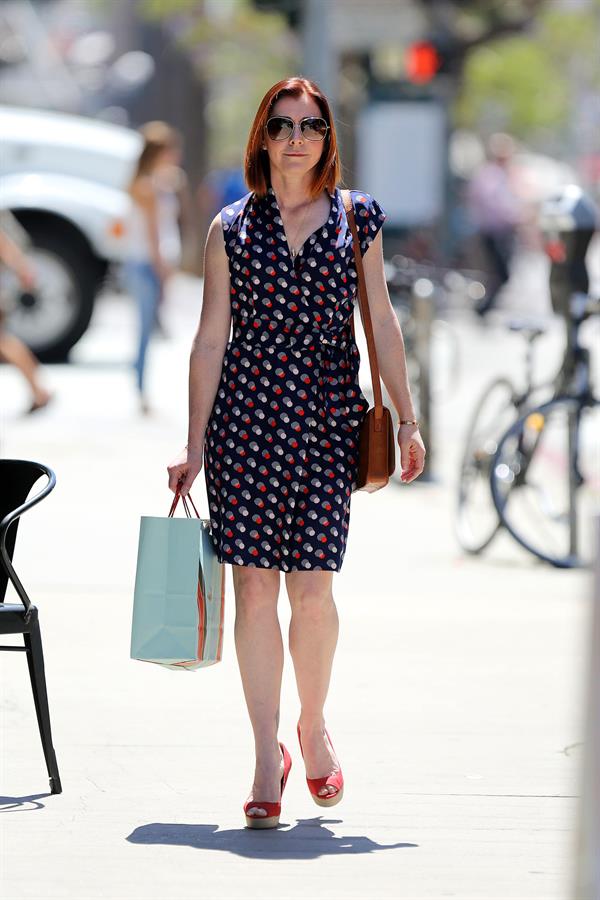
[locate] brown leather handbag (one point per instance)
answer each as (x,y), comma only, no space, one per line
(376,452)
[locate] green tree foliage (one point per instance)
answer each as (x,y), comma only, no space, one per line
(240,52)
(527,83)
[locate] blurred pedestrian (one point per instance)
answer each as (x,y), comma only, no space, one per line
(495,209)
(12,349)
(153,233)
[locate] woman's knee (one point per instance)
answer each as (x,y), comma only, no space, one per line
(310,593)
(255,589)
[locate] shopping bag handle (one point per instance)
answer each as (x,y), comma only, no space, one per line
(185,504)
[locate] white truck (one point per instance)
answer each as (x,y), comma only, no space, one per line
(63,177)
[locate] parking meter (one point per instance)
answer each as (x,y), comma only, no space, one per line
(567,219)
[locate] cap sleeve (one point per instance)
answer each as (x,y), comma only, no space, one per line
(370,216)
(232,223)
(231,214)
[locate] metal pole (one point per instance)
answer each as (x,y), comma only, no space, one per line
(587,863)
(319,60)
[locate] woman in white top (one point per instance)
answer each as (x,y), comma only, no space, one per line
(153,237)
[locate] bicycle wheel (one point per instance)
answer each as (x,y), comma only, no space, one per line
(476,520)
(544,481)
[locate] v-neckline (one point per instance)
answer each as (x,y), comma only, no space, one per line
(332,207)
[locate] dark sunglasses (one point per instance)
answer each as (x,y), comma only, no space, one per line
(280,128)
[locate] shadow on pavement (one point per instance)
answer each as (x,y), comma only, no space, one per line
(308,839)
(22,804)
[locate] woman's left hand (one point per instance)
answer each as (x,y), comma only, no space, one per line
(412,452)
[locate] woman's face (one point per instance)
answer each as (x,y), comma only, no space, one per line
(296,154)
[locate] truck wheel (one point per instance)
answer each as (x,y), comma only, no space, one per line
(53,318)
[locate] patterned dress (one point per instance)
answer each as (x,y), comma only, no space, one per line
(281,443)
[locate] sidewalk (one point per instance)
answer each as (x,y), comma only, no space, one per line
(455,706)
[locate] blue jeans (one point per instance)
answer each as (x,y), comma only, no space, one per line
(143,283)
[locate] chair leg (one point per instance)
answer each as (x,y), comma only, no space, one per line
(35,661)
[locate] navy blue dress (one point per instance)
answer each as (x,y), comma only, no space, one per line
(281,443)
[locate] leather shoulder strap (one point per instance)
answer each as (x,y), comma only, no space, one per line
(363,301)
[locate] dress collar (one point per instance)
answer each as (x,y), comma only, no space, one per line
(333,194)
(337,214)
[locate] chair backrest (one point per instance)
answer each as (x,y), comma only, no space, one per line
(17,477)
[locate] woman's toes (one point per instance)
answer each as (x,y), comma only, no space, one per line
(257,811)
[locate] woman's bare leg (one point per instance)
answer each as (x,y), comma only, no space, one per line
(313,635)
(15,352)
(259,649)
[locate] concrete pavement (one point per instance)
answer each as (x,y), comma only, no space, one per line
(455,707)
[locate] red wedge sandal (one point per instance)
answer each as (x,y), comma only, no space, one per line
(335,779)
(273,810)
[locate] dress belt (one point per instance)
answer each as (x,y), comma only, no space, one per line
(328,343)
(252,330)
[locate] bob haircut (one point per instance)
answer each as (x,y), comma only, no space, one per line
(257,169)
(157,136)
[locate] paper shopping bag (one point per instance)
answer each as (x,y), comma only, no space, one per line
(179,596)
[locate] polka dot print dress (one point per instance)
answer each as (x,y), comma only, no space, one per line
(281,443)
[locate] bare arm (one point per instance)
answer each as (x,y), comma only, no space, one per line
(13,257)
(210,340)
(391,358)
(145,197)
(387,332)
(206,357)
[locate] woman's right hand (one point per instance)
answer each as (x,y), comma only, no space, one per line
(183,470)
(27,276)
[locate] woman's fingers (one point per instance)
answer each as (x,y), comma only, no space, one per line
(185,487)
(404,455)
(177,472)
(188,480)
(412,460)
(183,470)
(174,476)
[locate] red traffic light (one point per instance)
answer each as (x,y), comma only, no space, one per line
(422,62)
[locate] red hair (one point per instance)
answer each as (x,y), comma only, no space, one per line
(257,169)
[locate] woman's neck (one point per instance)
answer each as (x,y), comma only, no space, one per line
(291,193)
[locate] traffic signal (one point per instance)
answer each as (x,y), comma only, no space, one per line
(440,55)
(422,62)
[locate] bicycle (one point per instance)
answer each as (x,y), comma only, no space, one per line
(538,471)
(500,404)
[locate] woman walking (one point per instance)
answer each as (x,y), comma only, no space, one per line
(153,236)
(12,349)
(275,416)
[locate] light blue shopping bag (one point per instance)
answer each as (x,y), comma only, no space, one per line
(179,597)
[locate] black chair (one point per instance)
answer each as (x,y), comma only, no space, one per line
(17,477)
